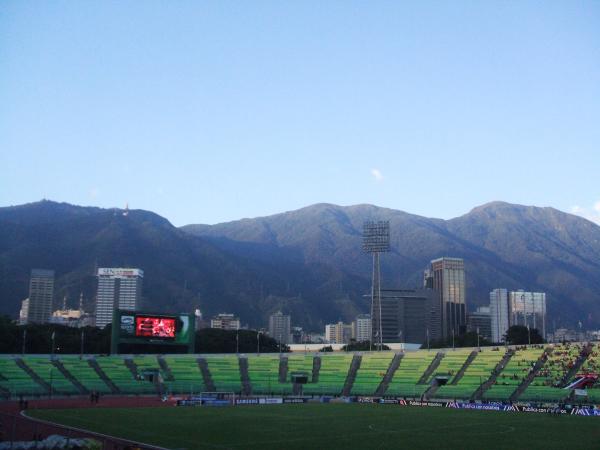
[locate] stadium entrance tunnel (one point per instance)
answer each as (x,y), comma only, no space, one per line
(440,380)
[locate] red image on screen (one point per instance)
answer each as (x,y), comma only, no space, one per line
(155,327)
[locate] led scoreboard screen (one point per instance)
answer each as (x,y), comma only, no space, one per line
(155,327)
(145,328)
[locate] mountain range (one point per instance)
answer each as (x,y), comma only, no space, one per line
(307,262)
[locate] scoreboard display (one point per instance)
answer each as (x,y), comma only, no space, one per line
(134,327)
(155,327)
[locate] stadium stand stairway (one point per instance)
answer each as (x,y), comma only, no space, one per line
(244,376)
(492,379)
(34,376)
(432,367)
(206,376)
(80,387)
(164,367)
(316,369)
(283,369)
(4,393)
(577,366)
(112,386)
(132,368)
(531,375)
(389,374)
(464,368)
(431,390)
(354,366)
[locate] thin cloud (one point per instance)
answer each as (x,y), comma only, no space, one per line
(592,214)
(94,192)
(377,175)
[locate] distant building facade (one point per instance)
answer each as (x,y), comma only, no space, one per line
(406,315)
(480,322)
(528,309)
(499,314)
(118,288)
(362,328)
(41,295)
(67,317)
(280,327)
(225,321)
(508,308)
(448,280)
(338,333)
(24,312)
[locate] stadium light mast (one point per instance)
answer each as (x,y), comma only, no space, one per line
(376,240)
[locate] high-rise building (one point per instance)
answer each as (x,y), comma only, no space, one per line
(280,327)
(225,321)
(41,294)
(480,322)
(24,312)
(338,333)
(499,314)
(528,309)
(362,328)
(449,285)
(118,288)
(406,315)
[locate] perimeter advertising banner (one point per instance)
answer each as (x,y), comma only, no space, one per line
(136,327)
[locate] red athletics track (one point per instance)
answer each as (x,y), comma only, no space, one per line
(14,426)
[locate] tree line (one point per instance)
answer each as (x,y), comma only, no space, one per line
(60,339)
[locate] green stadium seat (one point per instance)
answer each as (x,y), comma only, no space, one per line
(225,373)
(186,373)
(82,372)
(373,368)
(16,381)
(412,367)
(332,375)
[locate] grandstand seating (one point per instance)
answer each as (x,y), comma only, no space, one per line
(225,372)
(332,375)
(82,372)
(299,363)
(546,384)
(373,368)
(263,371)
(263,374)
(42,366)
(592,366)
(450,364)
(513,374)
(477,373)
(412,366)
(16,381)
(114,367)
(186,373)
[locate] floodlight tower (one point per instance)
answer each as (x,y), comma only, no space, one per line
(376,240)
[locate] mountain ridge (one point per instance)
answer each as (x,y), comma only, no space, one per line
(308,261)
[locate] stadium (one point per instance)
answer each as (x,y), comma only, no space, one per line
(450,398)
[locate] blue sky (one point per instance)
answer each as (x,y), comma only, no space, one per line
(212,111)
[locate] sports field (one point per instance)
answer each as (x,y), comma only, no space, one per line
(333,426)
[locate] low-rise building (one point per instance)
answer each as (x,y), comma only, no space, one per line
(338,333)
(362,328)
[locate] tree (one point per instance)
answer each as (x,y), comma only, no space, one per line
(468,339)
(212,340)
(521,335)
(361,346)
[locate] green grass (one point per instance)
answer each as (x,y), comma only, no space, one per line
(333,426)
